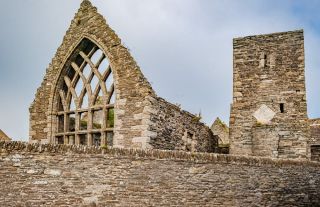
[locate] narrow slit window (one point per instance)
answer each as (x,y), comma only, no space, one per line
(282,107)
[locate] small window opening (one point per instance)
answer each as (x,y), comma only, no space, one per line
(97,139)
(59,140)
(189,142)
(282,107)
(83,139)
(109,138)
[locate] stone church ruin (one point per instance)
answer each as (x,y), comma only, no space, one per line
(100,136)
(94,93)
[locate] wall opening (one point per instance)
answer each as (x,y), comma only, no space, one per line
(86,87)
(282,107)
(315,152)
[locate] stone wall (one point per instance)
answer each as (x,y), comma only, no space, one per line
(314,142)
(269,89)
(176,129)
(221,130)
(47,175)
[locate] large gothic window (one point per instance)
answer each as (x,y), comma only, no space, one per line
(85,98)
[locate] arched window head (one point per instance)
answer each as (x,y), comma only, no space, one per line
(85,98)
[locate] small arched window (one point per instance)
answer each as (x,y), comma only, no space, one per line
(85,98)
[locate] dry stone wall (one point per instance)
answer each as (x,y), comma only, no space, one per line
(48,175)
(269,89)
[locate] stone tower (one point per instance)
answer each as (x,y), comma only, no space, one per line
(269,109)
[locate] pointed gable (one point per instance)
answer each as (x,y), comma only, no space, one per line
(130,85)
(4,137)
(221,130)
(125,114)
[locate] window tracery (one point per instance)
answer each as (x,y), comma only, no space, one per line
(85,98)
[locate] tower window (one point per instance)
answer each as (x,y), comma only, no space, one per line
(282,107)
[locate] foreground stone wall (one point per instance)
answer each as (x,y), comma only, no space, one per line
(176,129)
(47,175)
(269,109)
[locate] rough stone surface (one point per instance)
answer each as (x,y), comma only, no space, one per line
(264,114)
(221,130)
(268,71)
(176,129)
(314,142)
(123,177)
(4,137)
(136,104)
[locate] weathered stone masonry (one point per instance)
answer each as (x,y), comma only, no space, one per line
(269,110)
(60,175)
(136,104)
(179,130)
(314,142)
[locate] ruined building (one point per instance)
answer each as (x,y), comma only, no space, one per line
(269,109)
(94,93)
(221,131)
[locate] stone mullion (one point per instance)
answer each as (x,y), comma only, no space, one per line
(85,81)
(91,53)
(83,93)
(90,123)
(95,93)
(65,126)
(103,138)
(76,78)
(68,100)
(63,100)
(96,72)
(106,74)
(72,90)
(77,139)
(107,96)
(100,60)
(77,128)
(98,87)
(110,93)
(104,126)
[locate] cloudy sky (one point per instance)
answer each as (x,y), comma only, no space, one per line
(184,47)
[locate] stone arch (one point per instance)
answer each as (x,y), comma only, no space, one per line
(91,123)
(131,87)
